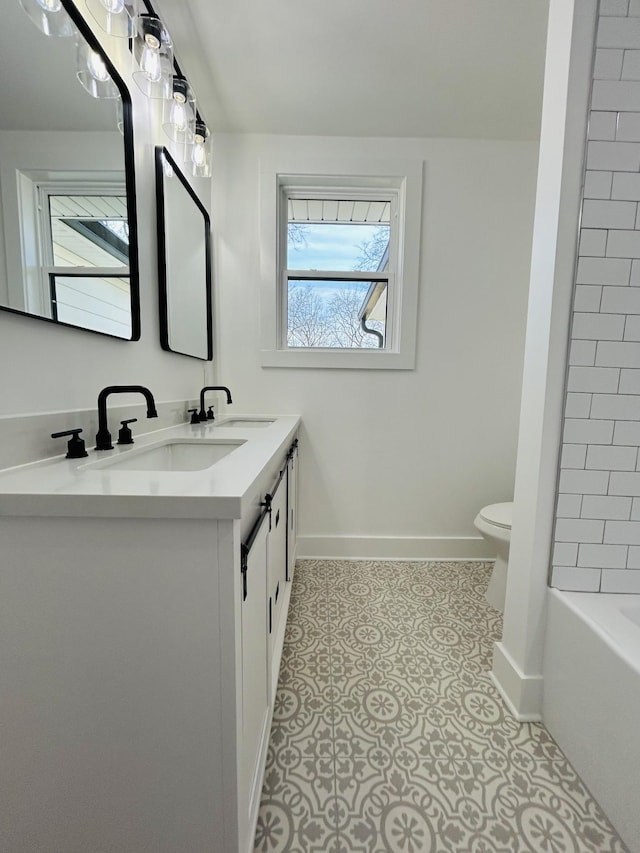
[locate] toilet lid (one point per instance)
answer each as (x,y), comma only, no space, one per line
(499,514)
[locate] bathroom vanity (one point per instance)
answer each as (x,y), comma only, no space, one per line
(143,603)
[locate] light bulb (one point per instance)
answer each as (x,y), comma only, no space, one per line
(113,6)
(150,60)
(198,154)
(167,167)
(96,66)
(178,114)
(50,5)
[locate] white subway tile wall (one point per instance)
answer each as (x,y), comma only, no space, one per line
(597,529)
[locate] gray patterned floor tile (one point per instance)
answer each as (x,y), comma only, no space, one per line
(389,736)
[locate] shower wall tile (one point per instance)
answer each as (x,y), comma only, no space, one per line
(587,297)
(620,300)
(579,530)
(602,556)
(631,65)
(618,354)
(611,458)
(608,63)
(598,327)
(614,7)
(593,241)
(573,456)
(582,353)
(627,432)
(610,506)
(587,431)
(565,553)
(620,580)
(614,156)
(569,506)
(628,127)
(603,270)
(624,186)
(618,32)
(598,185)
(601,379)
(575,579)
(597,528)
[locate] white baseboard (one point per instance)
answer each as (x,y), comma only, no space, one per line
(394,547)
(522,694)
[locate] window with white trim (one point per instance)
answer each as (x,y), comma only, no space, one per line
(340,267)
(84,247)
(345,267)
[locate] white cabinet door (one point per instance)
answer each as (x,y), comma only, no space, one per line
(277,574)
(292,510)
(255,667)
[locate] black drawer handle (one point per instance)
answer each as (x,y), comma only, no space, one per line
(277,517)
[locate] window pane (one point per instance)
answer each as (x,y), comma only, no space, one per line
(326,313)
(93,302)
(89,231)
(337,234)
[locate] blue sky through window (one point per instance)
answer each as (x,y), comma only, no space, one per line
(329,246)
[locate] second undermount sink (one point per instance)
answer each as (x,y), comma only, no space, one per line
(172,455)
(246,422)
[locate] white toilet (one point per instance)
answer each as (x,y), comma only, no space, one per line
(494,522)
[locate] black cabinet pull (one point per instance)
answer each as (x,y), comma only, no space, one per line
(277,517)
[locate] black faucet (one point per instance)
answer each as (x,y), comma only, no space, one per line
(103,436)
(202,415)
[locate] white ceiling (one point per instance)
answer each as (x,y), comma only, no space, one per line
(443,68)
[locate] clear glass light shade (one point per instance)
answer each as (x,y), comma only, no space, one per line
(92,72)
(200,151)
(167,168)
(50,17)
(179,111)
(115,17)
(152,57)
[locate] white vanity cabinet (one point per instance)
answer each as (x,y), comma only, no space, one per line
(136,677)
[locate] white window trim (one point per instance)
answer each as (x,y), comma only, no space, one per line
(398,175)
(33,191)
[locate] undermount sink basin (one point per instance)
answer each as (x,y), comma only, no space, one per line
(246,422)
(172,456)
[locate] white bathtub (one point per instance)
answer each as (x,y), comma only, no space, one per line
(591,700)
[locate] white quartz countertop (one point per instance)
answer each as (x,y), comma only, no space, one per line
(89,487)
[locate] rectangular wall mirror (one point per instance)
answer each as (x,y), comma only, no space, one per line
(68,247)
(184,263)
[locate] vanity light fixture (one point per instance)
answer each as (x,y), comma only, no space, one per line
(50,17)
(152,53)
(179,111)
(201,151)
(92,72)
(115,17)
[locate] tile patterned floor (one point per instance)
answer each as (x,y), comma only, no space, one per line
(388,734)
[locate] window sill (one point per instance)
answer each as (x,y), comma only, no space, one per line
(350,359)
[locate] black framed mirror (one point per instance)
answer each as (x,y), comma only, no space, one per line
(184,263)
(68,232)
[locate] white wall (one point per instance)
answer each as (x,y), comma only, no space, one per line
(517,663)
(48,367)
(400,454)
